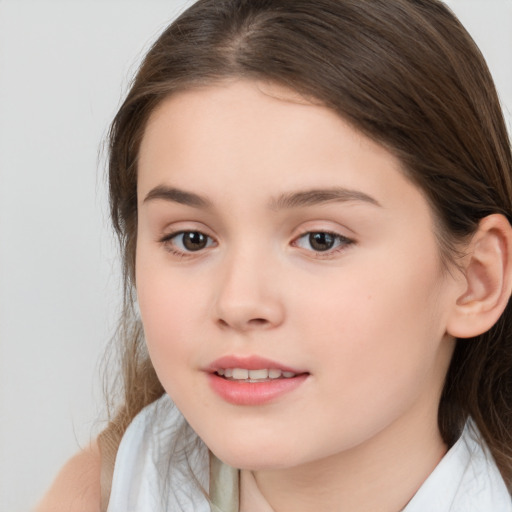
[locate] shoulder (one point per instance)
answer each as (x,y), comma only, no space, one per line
(77,486)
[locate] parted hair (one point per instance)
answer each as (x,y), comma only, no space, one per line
(404,73)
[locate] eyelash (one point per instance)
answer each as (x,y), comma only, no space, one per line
(341,243)
(167,242)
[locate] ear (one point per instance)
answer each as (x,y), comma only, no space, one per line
(487,280)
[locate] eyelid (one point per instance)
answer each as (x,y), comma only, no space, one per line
(343,242)
(338,236)
(170,229)
(167,238)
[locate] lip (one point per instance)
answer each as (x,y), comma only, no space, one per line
(252,393)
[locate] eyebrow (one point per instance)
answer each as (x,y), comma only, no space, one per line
(284,201)
(177,195)
(320,196)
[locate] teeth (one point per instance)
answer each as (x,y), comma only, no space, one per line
(254,375)
(258,374)
(240,374)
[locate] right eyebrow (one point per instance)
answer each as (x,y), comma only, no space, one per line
(177,195)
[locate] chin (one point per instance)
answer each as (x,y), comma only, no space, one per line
(255,456)
(253,462)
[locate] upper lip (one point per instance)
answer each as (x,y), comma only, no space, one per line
(249,363)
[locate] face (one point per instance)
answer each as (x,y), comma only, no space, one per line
(288,276)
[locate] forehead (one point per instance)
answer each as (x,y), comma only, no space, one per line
(255,109)
(250,140)
(254,113)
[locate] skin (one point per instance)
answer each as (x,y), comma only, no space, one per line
(366,319)
(77,486)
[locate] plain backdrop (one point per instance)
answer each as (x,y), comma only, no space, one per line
(64,67)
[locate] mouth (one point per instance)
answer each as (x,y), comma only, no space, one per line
(254,376)
(253,380)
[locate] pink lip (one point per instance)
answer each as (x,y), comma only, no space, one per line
(252,393)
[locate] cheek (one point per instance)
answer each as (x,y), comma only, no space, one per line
(374,347)
(379,324)
(170,308)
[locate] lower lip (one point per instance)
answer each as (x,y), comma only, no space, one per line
(253,393)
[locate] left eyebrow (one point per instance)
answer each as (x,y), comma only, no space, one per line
(320,196)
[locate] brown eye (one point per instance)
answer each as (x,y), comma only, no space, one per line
(194,240)
(188,241)
(321,241)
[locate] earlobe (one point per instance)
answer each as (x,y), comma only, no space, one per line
(487,279)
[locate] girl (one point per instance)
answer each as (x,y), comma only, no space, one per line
(313,201)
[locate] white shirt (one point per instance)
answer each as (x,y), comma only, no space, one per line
(466,479)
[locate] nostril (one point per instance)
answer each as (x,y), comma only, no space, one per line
(253,323)
(258,322)
(223,323)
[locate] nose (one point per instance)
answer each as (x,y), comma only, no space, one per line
(248,295)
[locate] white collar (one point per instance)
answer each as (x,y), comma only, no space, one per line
(466,480)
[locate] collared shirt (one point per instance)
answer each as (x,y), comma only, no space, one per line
(466,480)
(161,467)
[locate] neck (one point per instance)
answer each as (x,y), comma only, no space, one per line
(382,474)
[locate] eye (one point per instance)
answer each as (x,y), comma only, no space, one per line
(322,241)
(187,241)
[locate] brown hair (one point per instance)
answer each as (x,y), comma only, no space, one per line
(403,72)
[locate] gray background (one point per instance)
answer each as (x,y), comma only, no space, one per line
(64,66)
